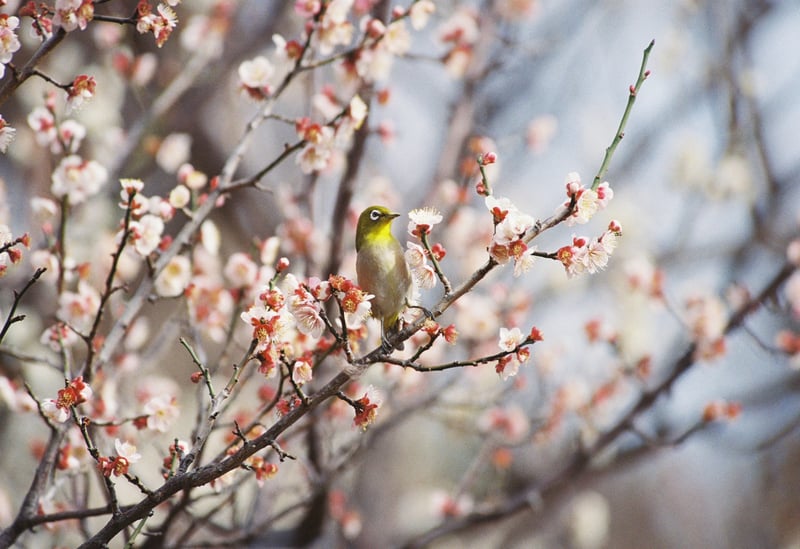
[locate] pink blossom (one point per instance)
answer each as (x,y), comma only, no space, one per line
(73,14)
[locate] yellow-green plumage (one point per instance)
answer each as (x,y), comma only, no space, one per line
(381,265)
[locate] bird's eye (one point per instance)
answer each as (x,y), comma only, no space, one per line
(374,215)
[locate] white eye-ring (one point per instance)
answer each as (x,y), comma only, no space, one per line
(374,215)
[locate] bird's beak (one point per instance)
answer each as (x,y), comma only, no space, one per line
(392,215)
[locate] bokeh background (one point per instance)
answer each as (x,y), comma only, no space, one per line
(706,189)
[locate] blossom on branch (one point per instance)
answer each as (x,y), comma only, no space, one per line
(73,14)
(9,42)
(118,465)
(76,392)
(160,24)
(81,90)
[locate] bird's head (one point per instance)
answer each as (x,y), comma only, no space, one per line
(374,223)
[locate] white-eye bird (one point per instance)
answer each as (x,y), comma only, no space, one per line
(381,268)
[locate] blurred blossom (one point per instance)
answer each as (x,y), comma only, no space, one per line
(509,424)
(44,259)
(43,124)
(77,179)
(397,39)
(514,10)
(192,178)
(146,234)
(269,250)
(477,317)
(733,178)
(6,134)
(137,335)
(256,73)
(541,131)
(590,521)
(693,164)
(160,23)
(81,90)
(240,270)
(172,281)
(792,292)
(334,29)
(179,197)
(204,34)
(446,506)
(73,14)
(162,411)
(210,307)
(9,43)
(79,309)
(420,12)
(174,151)
(210,237)
(461,27)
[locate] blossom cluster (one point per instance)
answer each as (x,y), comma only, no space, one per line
(589,254)
(421,221)
(510,229)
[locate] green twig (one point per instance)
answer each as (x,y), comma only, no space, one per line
(634,90)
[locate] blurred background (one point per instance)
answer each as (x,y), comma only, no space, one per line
(705,186)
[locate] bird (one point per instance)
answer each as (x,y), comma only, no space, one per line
(381,269)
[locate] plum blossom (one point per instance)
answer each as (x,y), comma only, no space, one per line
(161,411)
(126,456)
(76,392)
(422,220)
(160,24)
(318,152)
(9,42)
(174,152)
(146,234)
(256,75)
(510,339)
(335,29)
(305,307)
(59,335)
(419,13)
(7,134)
(77,179)
(172,281)
(43,123)
(210,307)
(510,424)
(269,319)
(180,196)
(301,371)
(73,14)
(367,408)
(240,270)
(587,201)
(79,309)
(446,506)
(81,90)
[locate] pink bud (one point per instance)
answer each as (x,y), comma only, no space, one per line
(573,187)
(488,158)
(614,226)
(283,264)
(375,28)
